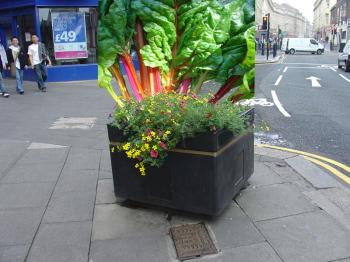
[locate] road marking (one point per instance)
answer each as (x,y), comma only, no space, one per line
(278,80)
(285,69)
(74,123)
(309,64)
(331,161)
(256,101)
(345,78)
(278,104)
(314,81)
(330,168)
(309,67)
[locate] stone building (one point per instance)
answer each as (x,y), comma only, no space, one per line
(288,19)
(340,21)
(322,19)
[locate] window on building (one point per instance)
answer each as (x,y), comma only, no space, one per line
(91,19)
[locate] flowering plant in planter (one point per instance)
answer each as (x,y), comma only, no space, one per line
(157,124)
(180,44)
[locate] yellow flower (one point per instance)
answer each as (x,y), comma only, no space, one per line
(154,147)
(137,165)
(112,149)
(146,146)
(165,136)
(148,121)
(153,133)
(148,139)
(128,154)
(126,146)
(167,132)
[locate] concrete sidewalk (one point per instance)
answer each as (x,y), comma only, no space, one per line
(57,201)
(261,59)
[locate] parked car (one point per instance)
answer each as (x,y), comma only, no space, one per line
(344,57)
(292,45)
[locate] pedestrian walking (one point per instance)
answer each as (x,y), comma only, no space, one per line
(39,59)
(274,48)
(3,62)
(17,56)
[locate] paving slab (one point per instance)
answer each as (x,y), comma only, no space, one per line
(113,221)
(82,158)
(61,242)
(233,222)
(285,172)
(273,201)
(105,192)
(309,237)
(325,204)
(105,164)
(272,153)
(10,151)
(48,155)
(127,249)
(104,174)
(263,176)
(70,206)
(340,197)
(13,253)
(79,181)
(261,252)
(236,230)
(18,226)
(312,173)
(39,172)
(24,195)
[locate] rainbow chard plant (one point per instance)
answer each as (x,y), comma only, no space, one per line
(180,44)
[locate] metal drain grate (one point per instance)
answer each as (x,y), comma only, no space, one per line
(192,240)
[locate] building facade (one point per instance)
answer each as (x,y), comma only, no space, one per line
(283,17)
(340,21)
(68,28)
(322,19)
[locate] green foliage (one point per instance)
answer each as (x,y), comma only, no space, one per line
(166,119)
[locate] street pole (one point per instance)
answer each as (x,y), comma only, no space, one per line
(268,37)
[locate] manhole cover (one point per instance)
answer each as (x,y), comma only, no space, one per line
(192,240)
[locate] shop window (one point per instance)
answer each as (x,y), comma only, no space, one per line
(45,19)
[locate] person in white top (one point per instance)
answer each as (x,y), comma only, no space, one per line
(38,57)
(17,56)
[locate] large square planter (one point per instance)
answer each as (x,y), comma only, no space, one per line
(201,175)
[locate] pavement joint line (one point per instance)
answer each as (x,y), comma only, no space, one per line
(278,80)
(331,161)
(94,206)
(278,104)
(345,78)
(46,206)
(336,172)
(317,208)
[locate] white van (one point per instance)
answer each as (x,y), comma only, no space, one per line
(292,45)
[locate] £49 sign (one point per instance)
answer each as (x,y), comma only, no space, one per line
(65,37)
(69,35)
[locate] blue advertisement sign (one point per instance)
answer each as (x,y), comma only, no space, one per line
(69,35)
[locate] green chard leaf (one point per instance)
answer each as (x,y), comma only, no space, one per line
(115,30)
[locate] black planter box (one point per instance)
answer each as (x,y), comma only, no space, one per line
(202,175)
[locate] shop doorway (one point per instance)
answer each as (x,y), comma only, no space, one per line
(25,29)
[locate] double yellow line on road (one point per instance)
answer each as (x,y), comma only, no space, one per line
(316,160)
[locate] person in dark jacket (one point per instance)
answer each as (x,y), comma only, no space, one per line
(3,61)
(17,56)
